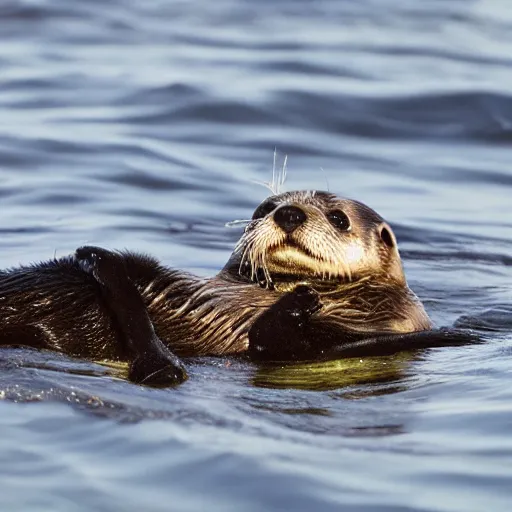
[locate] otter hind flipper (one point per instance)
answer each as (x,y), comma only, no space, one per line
(153,363)
(390,344)
(288,331)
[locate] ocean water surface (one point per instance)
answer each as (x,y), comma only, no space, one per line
(144,125)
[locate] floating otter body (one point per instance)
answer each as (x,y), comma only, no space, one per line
(312,274)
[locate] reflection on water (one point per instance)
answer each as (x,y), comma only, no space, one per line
(144,125)
(329,375)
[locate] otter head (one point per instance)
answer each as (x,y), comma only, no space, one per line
(317,238)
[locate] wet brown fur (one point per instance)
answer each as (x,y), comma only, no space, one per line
(362,292)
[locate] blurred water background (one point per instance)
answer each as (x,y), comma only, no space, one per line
(143,125)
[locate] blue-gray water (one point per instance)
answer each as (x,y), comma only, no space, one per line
(143,125)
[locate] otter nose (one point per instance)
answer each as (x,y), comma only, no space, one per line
(289,218)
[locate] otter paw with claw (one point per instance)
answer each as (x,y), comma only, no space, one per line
(98,262)
(303,300)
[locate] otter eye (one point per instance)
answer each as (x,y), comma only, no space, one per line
(339,220)
(264,209)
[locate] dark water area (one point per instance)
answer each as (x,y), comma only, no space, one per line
(144,125)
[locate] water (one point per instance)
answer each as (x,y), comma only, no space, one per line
(142,125)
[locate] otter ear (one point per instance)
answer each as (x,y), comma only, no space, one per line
(388,239)
(386,235)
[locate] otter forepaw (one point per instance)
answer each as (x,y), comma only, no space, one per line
(307,298)
(280,333)
(96,261)
(301,303)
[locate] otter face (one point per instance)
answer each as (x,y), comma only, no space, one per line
(315,236)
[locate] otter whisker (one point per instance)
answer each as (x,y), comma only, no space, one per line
(246,239)
(246,243)
(278,177)
(255,246)
(252,252)
(265,268)
(267,184)
(255,265)
(238,222)
(253,259)
(282,178)
(326,179)
(242,261)
(274,172)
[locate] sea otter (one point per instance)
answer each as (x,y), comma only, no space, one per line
(313,274)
